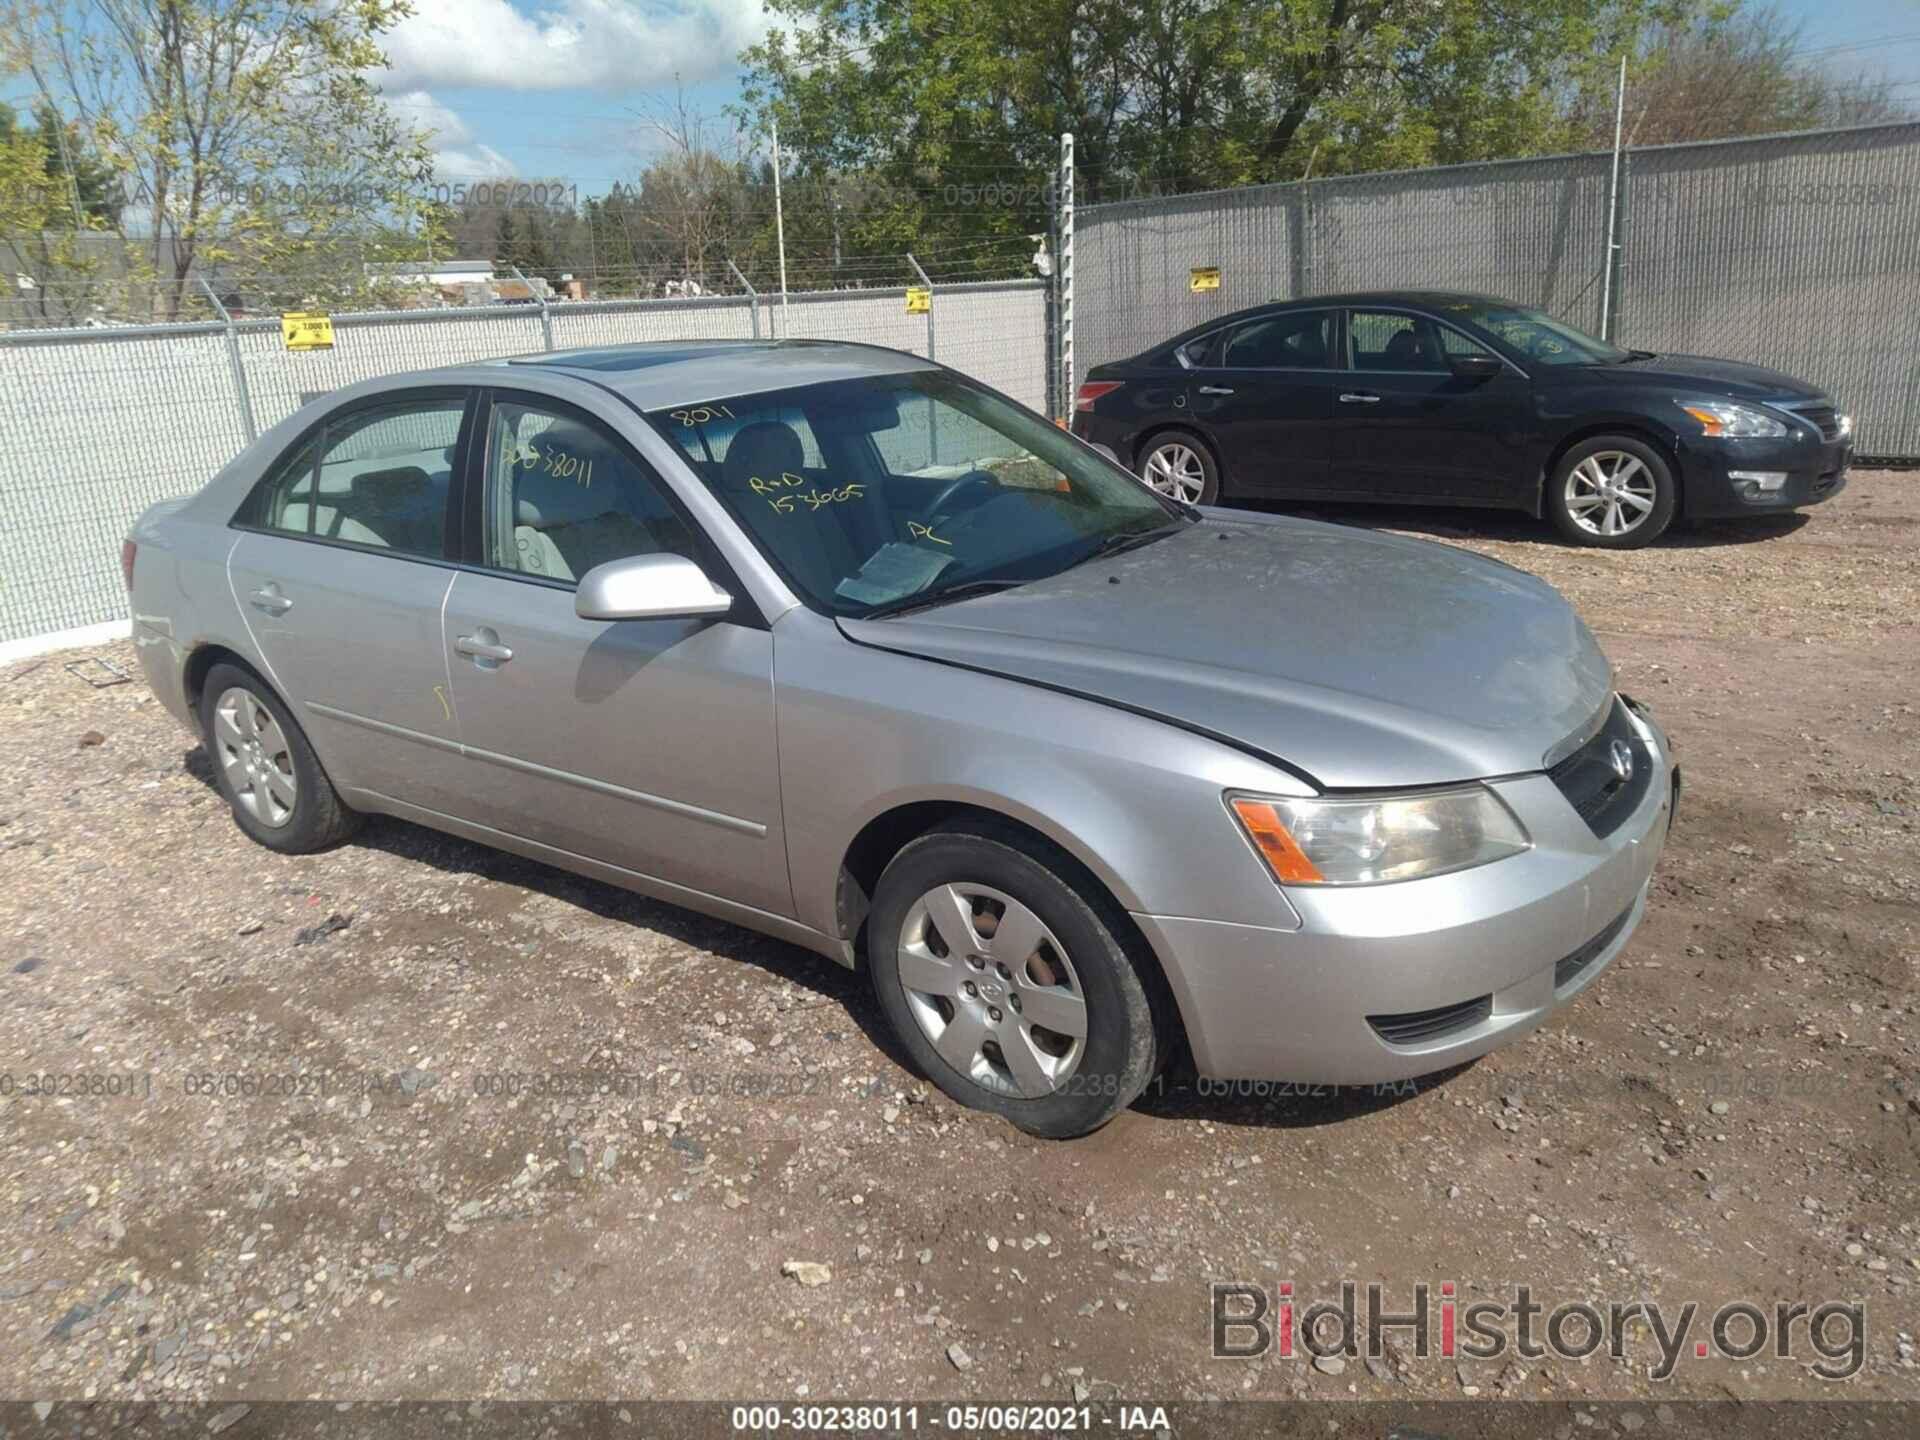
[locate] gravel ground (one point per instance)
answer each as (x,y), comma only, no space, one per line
(1732,1112)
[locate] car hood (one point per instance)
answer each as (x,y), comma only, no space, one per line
(1718,377)
(1357,659)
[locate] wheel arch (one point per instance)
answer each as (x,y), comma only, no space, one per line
(886,834)
(200,663)
(1661,442)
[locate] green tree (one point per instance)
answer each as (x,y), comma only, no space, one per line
(45,269)
(244,131)
(1170,94)
(74,167)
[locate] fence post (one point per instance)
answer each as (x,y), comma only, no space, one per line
(1611,276)
(233,360)
(1067,388)
(926,285)
(1300,240)
(546,320)
(1617,260)
(933,430)
(753,297)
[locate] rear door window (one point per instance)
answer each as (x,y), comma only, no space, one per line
(377,476)
(1297,340)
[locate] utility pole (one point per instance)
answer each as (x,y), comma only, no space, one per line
(1610,279)
(780,229)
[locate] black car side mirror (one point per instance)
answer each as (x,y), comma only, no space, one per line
(1475,367)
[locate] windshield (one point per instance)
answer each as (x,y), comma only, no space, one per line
(888,491)
(1535,334)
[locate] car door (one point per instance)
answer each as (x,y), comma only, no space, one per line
(1263,390)
(1406,427)
(643,744)
(340,569)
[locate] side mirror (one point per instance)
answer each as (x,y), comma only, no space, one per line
(649,587)
(1475,367)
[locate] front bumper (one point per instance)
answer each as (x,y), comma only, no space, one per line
(1816,471)
(1382,983)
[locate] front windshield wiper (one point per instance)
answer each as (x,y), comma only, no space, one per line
(1128,540)
(923,601)
(1633,355)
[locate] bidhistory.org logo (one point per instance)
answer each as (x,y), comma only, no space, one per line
(1249,1321)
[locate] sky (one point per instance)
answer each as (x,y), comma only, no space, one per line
(566,89)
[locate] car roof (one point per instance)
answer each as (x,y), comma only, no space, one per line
(680,372)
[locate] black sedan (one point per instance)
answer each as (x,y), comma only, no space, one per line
(1426,397)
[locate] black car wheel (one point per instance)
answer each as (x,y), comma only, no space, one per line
(1612,491)
(1179,465)
(1006,973)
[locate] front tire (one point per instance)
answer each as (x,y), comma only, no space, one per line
(266,768)
(1005,974)
(1613,492)
(1179,465)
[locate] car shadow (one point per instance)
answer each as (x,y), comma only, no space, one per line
(1177,1094)
(1454,523)
(1181,1094)
(828,982)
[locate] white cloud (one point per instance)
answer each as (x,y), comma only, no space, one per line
(457,155)
(570,44)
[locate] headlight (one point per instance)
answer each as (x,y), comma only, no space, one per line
(1845,422)
(1371,839)
(1734,422)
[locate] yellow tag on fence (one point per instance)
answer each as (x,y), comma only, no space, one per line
(302,331)
(919,300)
(1203,277)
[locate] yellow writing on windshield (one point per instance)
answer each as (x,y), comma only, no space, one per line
(789,501)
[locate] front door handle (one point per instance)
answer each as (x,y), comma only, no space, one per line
(1216,389)
(1358,397)
(269,599)
(484,645)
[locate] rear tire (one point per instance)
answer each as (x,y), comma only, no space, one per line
(1179,465)
(1056,1029)
(1612,492)
(265,767)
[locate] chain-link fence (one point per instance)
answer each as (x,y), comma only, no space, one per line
(1798,252)
(98,423)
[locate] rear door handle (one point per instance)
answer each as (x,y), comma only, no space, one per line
(483,649)
(269,599)
(1358,397)
(1216,389)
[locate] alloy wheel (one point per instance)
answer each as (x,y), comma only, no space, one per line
(255,756)
(1175,469)
(993,990)
(1610,493)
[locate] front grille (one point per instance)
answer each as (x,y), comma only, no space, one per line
(1820,415)
(1593,785)
(1419,1025)
(1565,970)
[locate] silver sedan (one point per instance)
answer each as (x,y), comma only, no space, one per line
(834,643)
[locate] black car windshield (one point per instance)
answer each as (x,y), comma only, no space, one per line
(883,492)
(1534,333)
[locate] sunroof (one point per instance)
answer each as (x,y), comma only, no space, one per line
(634,358)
